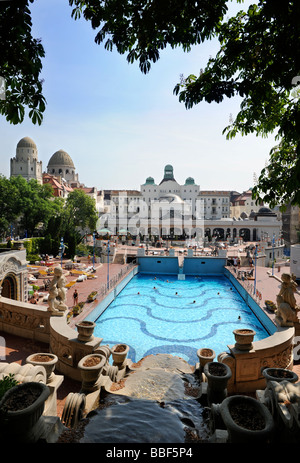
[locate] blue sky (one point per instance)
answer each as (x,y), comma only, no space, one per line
(120,126)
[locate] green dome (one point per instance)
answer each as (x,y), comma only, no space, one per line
(190,181)
(168,174)
(149,181)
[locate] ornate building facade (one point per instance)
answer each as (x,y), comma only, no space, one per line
(14,274)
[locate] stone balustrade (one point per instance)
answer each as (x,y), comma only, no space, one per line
(26,320)
(275,351)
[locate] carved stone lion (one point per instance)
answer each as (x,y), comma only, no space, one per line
(286,313)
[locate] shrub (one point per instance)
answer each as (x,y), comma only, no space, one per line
(6,383)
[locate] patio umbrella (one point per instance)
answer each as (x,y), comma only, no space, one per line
(104,231)
(123,231)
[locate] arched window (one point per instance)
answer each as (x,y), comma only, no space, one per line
(9,287)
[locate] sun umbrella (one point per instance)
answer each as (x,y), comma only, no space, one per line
(104,231)
(123,231)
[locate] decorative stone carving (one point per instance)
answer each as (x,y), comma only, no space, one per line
(280,360)
(286,313)
(57,292)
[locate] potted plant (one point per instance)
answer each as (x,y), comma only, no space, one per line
(6,383)
(246,419)
(21,408)
(92,296)
(270,305)
(205,355)
(85,330)
(218,375)
(244,338)
(47,360)
(279,375)
(119,353)
(91,367)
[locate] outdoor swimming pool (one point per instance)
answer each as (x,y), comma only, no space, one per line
(158,315)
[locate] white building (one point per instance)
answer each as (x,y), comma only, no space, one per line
(216,204)
(188,192)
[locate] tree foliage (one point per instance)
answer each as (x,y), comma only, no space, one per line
(20,64)
(81,210)
(258,60)
(29,206)
(26,204)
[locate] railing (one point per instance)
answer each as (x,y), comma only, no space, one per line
(105,288)
(247,285)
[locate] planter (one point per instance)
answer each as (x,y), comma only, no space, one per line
(270,305)
(205,356)
(119,353)
(244,338)
(85,331)
(279,375)
(246,419)
(91,368)
(46,360)
(218,375)
(92,296)
(21,409)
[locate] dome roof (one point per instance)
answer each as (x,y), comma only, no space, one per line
(61,158)
(171,198)
(149,181)
(264,210)
(26,142)
(168,174)
(190,181)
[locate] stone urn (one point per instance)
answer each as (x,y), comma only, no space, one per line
(279,375)
(205,355)
(244,338)
(119,353)
(46,360)
(246,420)
(91,367)
(85,330)
(21,410)
(218,375)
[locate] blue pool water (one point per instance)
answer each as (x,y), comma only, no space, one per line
(157,320)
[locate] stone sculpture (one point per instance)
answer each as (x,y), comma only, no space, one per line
(57,292)
(286,313)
